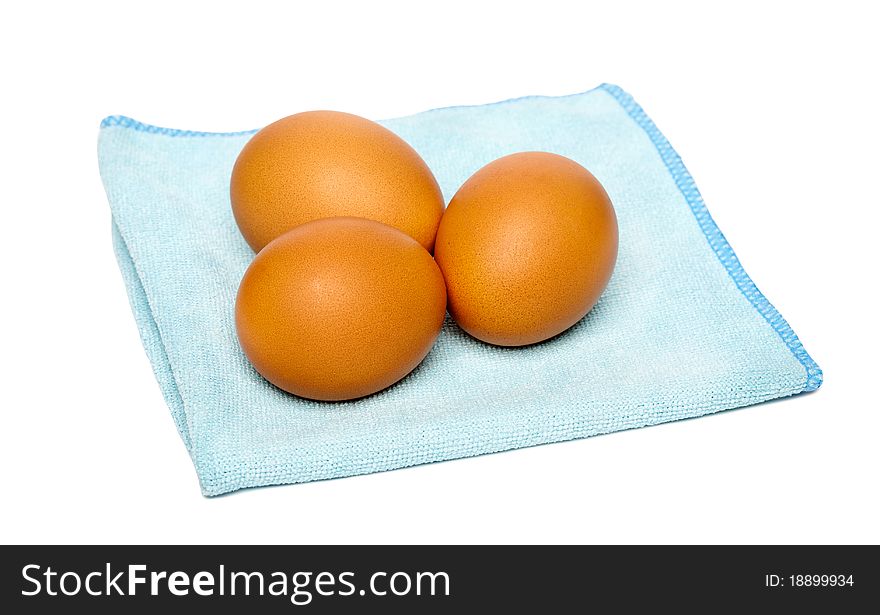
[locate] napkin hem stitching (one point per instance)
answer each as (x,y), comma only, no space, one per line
(127,122)
(124,121)
(715,237)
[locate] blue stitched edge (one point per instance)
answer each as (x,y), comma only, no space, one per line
(127,122)
(716,239)
(677,170)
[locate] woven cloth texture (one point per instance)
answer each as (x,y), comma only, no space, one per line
(681,331)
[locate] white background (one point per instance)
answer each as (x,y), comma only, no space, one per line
(772,106)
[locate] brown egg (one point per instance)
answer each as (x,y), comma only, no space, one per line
(322,164)
(526,246)
(339,308)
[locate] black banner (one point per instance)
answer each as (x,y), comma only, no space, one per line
(436,579)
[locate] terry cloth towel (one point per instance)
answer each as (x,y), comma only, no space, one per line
(681,331)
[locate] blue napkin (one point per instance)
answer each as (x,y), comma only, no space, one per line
(681,330)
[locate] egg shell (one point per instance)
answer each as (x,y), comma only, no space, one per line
(339,308)
(322,164)
(527,245)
